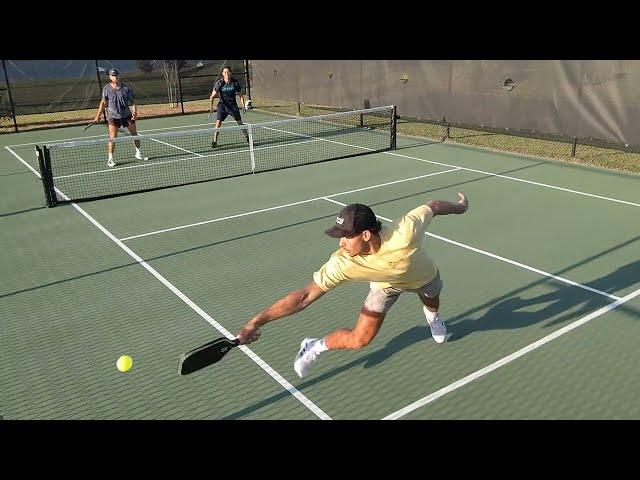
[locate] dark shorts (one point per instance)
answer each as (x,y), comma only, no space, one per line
(121,122)
(224,111)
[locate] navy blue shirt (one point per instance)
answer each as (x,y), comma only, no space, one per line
(228,92)
(117,100)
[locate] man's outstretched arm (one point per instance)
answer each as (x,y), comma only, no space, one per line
(443,207)
(293,302)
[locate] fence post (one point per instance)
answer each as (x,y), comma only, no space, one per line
(13,108)
(246,70)
(98,75)
(180,89)
(100,85)
(298,87)
(575,144)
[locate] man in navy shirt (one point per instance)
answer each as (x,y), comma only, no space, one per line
(226,89)
(116,98)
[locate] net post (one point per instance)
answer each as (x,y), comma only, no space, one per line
(44,166)
(251,154)
(394,126)
(573,148)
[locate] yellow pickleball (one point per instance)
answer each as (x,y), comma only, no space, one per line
(124,363)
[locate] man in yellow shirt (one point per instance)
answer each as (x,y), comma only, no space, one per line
(391,258)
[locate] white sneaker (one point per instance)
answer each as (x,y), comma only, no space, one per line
(437,326)
(140,156)
(305,357)
(111,163)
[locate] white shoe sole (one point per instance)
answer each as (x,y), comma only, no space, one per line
(437,338)
(296,366)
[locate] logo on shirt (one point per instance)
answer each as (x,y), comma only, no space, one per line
(339,220)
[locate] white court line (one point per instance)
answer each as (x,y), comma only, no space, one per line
(275,375)
(277,207)
(519,180)
(25,163)
(509,358)
(175,146)
(470,170)
(506,260)
(149,164)
(106,135)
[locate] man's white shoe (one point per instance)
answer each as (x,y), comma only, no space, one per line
(140,156)
(437,326)
(111,163)
(306,356)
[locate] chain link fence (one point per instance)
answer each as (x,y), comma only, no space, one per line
(578,111)
(38,94)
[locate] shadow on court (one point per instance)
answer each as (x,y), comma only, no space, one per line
(149,259)
(417,142)
(18,212)
(553,308)
(506,312)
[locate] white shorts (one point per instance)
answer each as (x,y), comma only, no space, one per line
(380,300)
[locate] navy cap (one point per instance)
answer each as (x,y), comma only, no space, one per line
(114,71)
(353,219)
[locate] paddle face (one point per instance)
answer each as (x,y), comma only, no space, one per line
(205,355)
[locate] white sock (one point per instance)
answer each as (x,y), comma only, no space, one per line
(111,156)
(320,346)
(138,152)
(431,316)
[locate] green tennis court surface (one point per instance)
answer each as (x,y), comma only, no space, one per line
(541,295)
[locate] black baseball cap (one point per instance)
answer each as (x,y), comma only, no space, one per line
(114,71)
(353,219)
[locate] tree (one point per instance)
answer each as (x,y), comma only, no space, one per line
(145,65)
(170,70)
